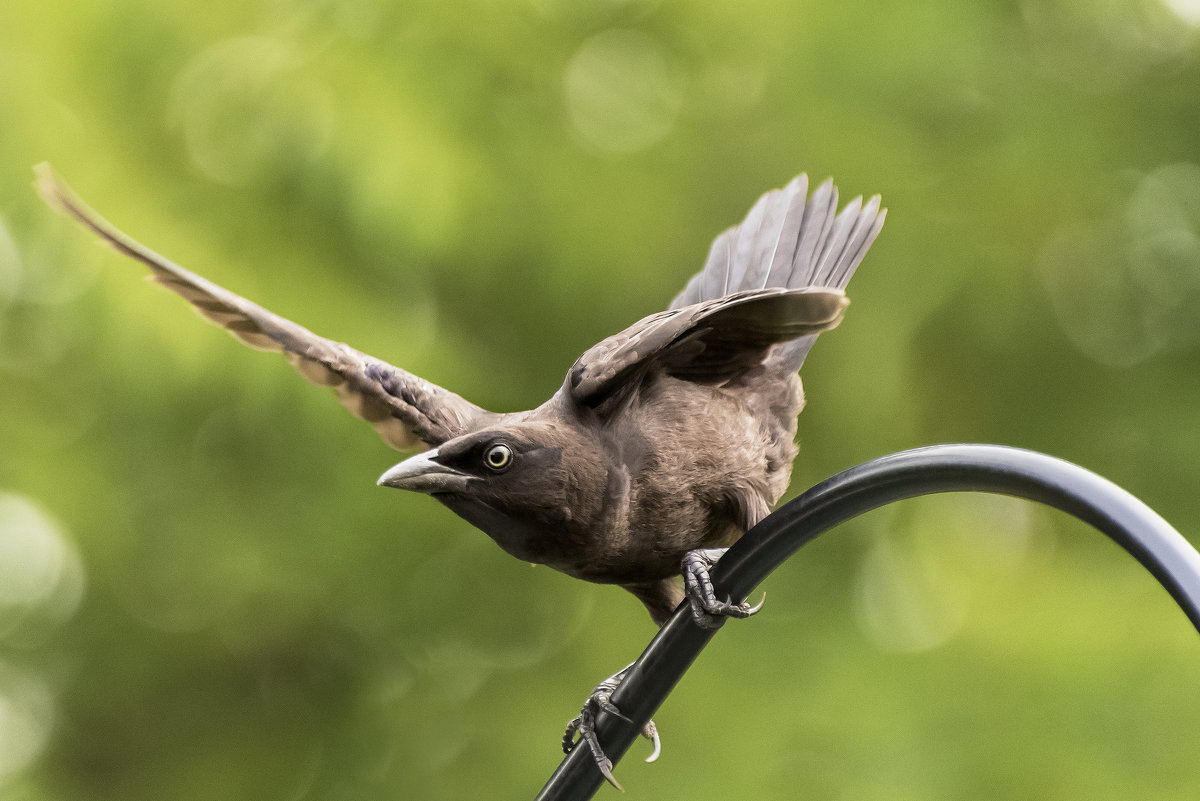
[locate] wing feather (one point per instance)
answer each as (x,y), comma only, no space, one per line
(711,342)
(789,240)
(404,409)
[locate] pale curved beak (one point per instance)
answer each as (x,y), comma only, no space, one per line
(422,473)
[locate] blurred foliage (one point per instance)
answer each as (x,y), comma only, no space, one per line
(204,595)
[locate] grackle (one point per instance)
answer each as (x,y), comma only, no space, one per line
(666,441)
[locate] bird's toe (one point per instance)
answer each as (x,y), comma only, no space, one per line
(707,611)
(582,728)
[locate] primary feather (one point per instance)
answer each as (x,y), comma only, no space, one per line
(789,240)
(404,409)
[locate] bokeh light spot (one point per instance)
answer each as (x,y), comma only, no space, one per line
(917,584)
(622,92)
(1186,10)
(26,717)
(244,108)
(41,574)
(1126,285)
(903,604)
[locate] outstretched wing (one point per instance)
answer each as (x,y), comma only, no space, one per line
(708,343)
(791,240)
(402,407)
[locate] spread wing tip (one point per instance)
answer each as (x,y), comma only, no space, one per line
(403,409)
(49,186)
(789,240)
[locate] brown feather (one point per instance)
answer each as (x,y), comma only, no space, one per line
(369,388)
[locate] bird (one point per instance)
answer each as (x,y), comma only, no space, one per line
(666,441)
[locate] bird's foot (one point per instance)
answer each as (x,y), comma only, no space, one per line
(585,726)
(707,611)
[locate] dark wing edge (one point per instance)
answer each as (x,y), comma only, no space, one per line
(708,343)
(401,407)
(793,240)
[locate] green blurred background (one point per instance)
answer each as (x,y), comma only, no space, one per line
(204,595)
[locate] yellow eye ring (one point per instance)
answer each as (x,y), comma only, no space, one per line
(498,457)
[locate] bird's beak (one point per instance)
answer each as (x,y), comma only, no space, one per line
(421,473)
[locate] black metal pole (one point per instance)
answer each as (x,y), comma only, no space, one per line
(923,471)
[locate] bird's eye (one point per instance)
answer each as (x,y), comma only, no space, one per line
(498,457)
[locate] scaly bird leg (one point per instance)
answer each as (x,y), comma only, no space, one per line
(585,726)
(707,611)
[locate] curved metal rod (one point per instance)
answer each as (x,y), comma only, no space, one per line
(923,471)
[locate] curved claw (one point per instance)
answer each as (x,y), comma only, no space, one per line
(608,706)
(707,611)
(752,610)
(584,725)
(605,766)
(744,609)
(651,733)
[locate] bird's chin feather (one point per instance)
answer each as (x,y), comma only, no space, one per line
(422,473)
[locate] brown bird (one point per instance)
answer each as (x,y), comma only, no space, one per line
(665,443)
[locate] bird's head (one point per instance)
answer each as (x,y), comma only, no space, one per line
(512,482)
